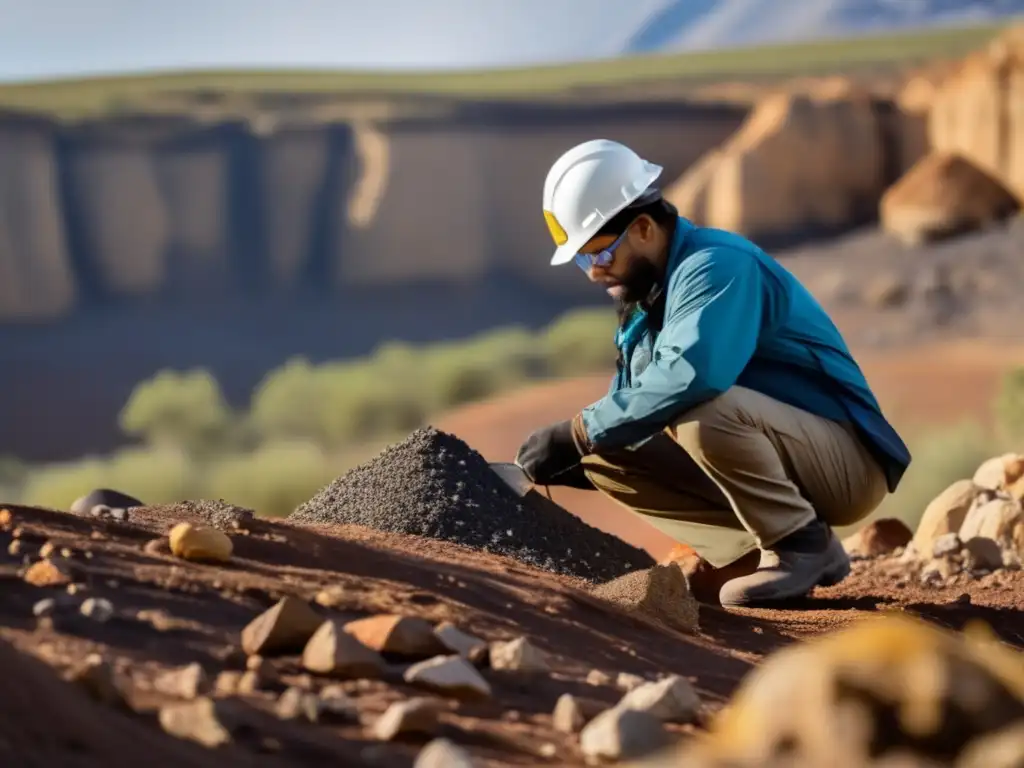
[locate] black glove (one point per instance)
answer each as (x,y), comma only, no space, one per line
(549,455)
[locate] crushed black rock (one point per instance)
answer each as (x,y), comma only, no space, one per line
(433,484)
(214,512)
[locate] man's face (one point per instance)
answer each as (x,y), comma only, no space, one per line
(631,273)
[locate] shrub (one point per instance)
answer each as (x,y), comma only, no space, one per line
(273,479)
(581,342)
(182,410)
(153,475)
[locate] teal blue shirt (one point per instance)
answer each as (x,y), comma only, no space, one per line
(734,315)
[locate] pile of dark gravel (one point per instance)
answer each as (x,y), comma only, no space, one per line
(432,484)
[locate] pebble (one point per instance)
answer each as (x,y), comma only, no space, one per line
(200,721)
(296,703)
(44,607)
(627,681)
(200,543)
(186,682)
(407,636)
(332,651)
(417,715)
(518,655)
(443,753)
(457,641)
(621,734)
(285,627)
(47,573)
(451,675)
(672,699)
(568,714)
(97,608)
(598,678)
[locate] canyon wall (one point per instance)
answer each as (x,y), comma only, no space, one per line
(136,243)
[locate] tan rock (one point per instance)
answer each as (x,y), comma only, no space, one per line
(200,543)
(878,538)
(199,721)
(999,472)
(571,713)
(622,734)
(286,627)
(800,161)
(442,753)
(518,655)
(1002,749)
(408,636)
(945,514)
(451,675)
(295,703)
(457,641)
(97,608)
(330,597)
(660,592)
(186,682)
(670,700)
(96,677)
(913,681)
(417,715)
(598,677)
(333,651)
(941,196)
(995,520)
(48,573)
(627,681)
(227,683)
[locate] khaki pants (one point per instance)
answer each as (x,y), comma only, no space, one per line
(742,471)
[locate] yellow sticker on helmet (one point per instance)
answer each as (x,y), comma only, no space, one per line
(557,233)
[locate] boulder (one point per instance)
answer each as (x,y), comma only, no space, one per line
(800,162)
(1000,472)
(997,520)
(944,194)
(977,110)
(945,514)
(882,686)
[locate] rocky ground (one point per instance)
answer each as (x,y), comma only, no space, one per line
(117,650)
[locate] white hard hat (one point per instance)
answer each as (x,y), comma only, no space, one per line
(586,187)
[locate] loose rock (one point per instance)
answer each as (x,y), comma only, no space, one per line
(97,608)
(418,715)
(568,715)
(434,485)
(200,543)
(103,497)
(518,655)
(622,734)
(454,639)
(186,682)
(670,700)
(408,636)
(48,573)
(333,651)
(200,721)
(284,628)
(945,514)
(598,678)
(627,681)
(995,520)
(96,677)
(442,753)
(451,675)
(296,703)
(946,544)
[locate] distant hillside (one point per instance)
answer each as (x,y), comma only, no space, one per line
(690,25)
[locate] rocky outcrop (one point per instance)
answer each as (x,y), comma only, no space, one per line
(158,208)
(37,281)
(944,195)
(801,162)
(978,111)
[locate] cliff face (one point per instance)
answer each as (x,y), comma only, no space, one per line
(160,208)
(132,244)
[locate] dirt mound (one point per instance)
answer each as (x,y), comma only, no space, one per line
(433,484)
(660,593)
(215,512)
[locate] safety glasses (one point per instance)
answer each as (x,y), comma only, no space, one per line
(602,258)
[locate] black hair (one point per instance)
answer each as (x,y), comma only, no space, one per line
(661,211)
(650,202)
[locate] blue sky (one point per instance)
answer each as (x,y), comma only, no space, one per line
(43,38)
